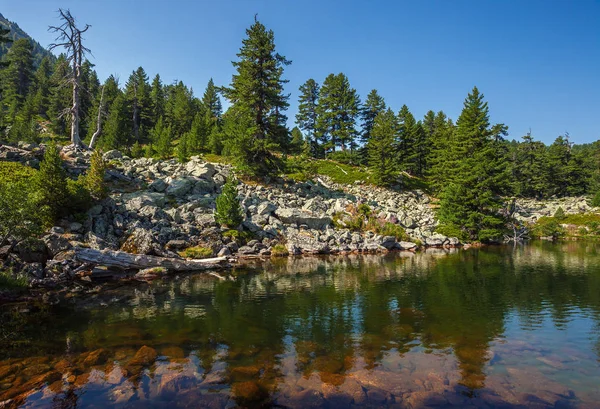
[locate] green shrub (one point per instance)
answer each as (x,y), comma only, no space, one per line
(20,213)
(547,227)
(451,230)
(80,199)
(279,250)
(197,252)
(228,209)
(391,229)
(240,236)
(560,213)
(596,200)
(8,280)
(94,179)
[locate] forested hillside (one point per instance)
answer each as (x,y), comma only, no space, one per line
(468,162)
(15,33)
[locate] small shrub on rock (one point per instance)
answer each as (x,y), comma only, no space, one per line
(94,179)
(279,250)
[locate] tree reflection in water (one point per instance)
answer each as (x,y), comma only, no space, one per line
(447,328)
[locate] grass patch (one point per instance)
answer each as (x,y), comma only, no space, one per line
(212,158)
(341,173)
(361,218)
(8,280)
(241,237)
(197,252)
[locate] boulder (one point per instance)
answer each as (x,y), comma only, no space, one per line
(32,251)
(301,217)
(112,154)
(406,245)
(180,187)
(140,241)
(56,243)
(135,201)
(159,185)
(389,242)
(200,170)
(265,208)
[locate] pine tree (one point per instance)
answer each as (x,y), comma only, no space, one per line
(337,112)
(257,98)
(16,78)
(157,98)
(94,178)
(407,144)
(373,106)
(110,91)
(162,138)
(470,203)
(559,156)
(440,133)
(228,209)
(139,104)
(117,125)
(307,116)
(51,184)
(60,97)
(41,88)
(212,102)
(380,146)
(530,171)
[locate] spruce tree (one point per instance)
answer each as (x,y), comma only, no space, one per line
(257,99)
(94,178)
(51,185)
(157,98)
(212,102)
(373,106)
(60,97)
(470,203)
(407,144)
(380,147)
(16,78)
(338,111)
(228,209)
(307,116)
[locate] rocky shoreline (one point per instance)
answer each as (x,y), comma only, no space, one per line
(160,208)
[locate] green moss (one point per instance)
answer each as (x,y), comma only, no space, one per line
(197,252)
(239,236)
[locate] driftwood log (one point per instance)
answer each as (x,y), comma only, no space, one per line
(120,259)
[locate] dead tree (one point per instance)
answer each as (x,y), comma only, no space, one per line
(519,230)
(99,124)
(69,37)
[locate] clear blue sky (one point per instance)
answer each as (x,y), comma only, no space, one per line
(537,62)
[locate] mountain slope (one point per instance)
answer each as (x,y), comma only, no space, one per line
(16,33)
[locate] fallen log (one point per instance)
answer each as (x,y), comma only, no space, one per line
(120,259)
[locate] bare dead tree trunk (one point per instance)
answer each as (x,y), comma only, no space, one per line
(99,124)
(69,37)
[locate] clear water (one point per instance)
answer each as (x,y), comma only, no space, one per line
(483,328)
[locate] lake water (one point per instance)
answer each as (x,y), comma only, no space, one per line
(499,327)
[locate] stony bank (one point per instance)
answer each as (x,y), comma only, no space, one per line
(161,208)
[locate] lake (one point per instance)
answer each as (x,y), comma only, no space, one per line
(497,327)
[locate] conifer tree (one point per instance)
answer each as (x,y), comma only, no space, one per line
(338,111)
(51,184)
(530,168)
(307,115)
(373,106)
(60,97)
(383,136)
(41,88)
(212,102)
(407,144)
(16,78)
(94,178)
(228,209)
(257,99)
(470,202)
(157,97)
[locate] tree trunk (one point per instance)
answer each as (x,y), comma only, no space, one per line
(99,124)
(120,259)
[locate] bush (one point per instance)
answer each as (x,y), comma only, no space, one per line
(136,151)
(94,179)
(391,229)
(596,200)
(228,212)
(279,250)
(548,227)
(8,280)
(80,199)
(451,230)
(197,252)
(20,214)
(560,213)
(240,236)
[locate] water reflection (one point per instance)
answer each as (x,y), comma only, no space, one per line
(510,327)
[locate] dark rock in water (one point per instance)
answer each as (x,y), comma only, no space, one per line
(97,357)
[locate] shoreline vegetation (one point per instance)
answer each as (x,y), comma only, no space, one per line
(152,176)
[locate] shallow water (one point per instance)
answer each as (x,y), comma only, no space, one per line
(497,327)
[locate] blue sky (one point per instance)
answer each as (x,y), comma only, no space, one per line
(537,62)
